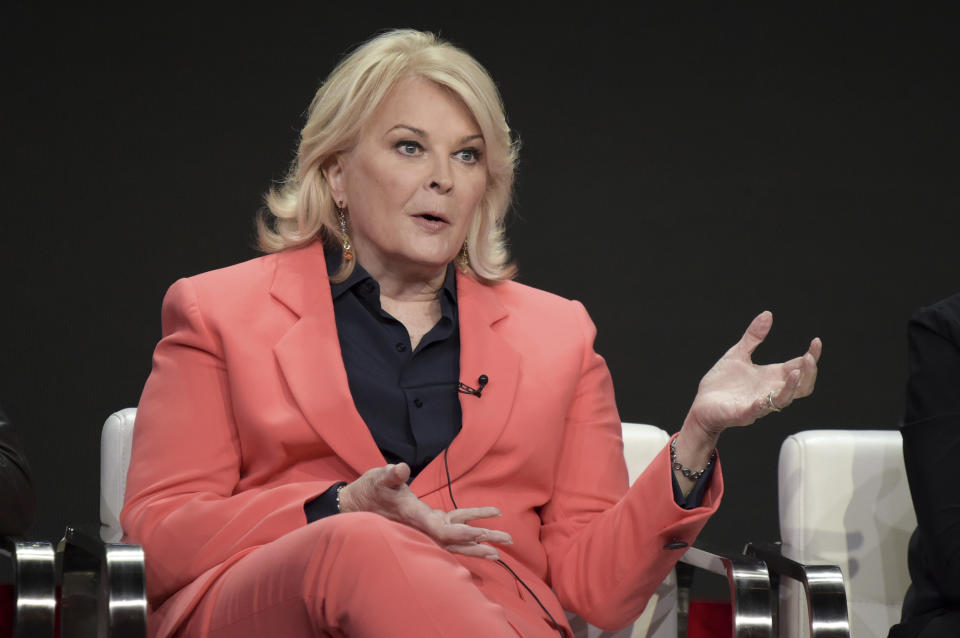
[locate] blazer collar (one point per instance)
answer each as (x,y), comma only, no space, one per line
(483,350)
(311,362)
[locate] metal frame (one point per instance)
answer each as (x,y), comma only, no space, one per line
(751,594)
(103,591)
(822,584)
(34,578)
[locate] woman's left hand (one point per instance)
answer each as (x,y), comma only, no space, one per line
(736,391)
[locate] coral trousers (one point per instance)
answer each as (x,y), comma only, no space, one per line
(361,575)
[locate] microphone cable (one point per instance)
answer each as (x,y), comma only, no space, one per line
(556,625)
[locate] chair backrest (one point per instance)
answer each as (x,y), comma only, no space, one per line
(641,443)
(116,439)
(844,500)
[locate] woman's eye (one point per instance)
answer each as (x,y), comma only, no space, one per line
(407,147)
(468,155)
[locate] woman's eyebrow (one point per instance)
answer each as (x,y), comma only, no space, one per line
(413,129)
(424,135)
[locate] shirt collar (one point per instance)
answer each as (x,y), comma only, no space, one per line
(333,257)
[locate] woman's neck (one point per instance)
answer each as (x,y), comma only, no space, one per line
(409,284)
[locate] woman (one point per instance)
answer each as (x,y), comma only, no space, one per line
(303,462)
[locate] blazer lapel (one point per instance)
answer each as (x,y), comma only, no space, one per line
(310,359)
(482,351)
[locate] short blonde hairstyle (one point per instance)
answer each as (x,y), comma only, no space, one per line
(302,208)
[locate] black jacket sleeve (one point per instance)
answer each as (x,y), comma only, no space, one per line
(931,449)
(16,488)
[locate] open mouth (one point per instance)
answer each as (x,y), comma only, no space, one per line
(432,218)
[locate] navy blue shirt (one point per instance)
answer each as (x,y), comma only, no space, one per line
(408,398)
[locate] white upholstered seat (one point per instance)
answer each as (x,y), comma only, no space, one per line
(844,500)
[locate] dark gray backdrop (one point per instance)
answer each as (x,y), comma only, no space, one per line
(681,171)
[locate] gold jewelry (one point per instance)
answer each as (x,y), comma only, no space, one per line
(770,403)
(463,257)
(344,237)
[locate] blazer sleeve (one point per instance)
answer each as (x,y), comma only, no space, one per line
(607,545)
(181,499)
(931,440)
(16,487)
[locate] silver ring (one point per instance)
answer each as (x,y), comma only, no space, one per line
(770,403)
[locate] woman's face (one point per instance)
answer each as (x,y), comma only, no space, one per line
(413,182)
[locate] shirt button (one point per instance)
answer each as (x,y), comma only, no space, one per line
(418,403)
(676,543)
(368,287)
(401,347)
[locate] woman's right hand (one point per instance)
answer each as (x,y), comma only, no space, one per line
(384,491)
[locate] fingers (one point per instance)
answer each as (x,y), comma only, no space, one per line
(756,332)
(452,527)
(394,475)
(471,541)
(467,534)
(816,347)
(807,365)
(466,514)
(788,392)
(472,549)
(383,490)
(798,384)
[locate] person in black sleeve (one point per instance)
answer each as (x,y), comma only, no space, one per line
(16,488)
(931,447)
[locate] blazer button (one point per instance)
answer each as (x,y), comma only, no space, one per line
(676,543)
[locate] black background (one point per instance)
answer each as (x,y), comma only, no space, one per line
(682,169)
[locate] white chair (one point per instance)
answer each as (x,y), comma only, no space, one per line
(750,589)
(103,580)
(844,501)
(116,441)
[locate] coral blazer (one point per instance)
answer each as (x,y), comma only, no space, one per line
(247,415)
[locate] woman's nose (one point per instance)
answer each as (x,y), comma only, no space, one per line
(442,178)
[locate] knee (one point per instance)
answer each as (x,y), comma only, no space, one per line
(355,547)
(366,533)
(359,524)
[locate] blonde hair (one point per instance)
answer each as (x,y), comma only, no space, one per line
(302,208)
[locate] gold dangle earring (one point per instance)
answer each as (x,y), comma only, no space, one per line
(463,257)
(344,237)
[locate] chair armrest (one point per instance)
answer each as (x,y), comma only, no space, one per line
(751,596)
(103,591)
(822,584)
(35,586)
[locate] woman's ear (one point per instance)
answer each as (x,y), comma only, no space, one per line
(332,170)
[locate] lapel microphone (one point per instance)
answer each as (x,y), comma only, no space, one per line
(481,382)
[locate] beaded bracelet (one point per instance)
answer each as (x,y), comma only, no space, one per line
(339,487)
(687,472)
